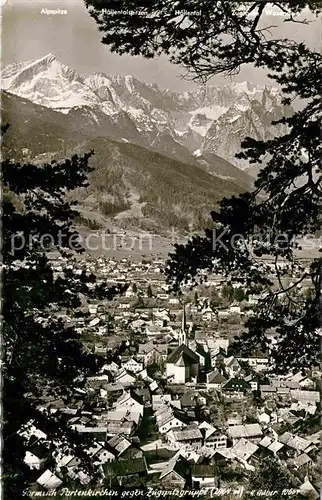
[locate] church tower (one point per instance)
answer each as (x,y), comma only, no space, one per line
(183,330)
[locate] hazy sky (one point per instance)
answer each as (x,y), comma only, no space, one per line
(74,39)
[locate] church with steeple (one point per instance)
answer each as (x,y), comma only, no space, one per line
(182,363)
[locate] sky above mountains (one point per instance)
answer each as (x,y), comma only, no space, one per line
(74,38)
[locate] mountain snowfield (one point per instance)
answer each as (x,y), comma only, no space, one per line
(210,120)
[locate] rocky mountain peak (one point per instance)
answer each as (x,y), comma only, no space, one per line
(214,119)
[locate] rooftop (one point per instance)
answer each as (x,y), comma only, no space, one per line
(187,434)
(183,352)
(244,431)
(126,467)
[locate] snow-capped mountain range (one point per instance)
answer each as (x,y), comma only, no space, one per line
(210,120)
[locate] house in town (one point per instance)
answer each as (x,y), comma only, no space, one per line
(307,490)
(124,304)
(253,382)
(131,290)
(152,331)
(232,367)
(117,427)
(212,437)
(201,337)
(236,388)
(302,461)
(142,394)
(264,418)
(146,353)
(307,397)
(207,314)
(251,432)
(124,414)
(271,445)
(268,392)
(189,400)
(176,473)
(243,450)
(151,353)
(100,455)
(207,429)
(203,476)
(118,445)
(296,443)
(307,383)
(160,400)
(235,309)
(253,299)
(132,365)
(189,438)
(223,314)
(216,440)
(234,418)
(110,367)
(168,418)
(258,360)
(49,480)
(124,378)
(127,472)
(215,380)
(130,402)
(218,345)
(35,459)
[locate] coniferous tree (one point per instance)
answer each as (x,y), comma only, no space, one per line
(227,292)
(239,294)
(210,38)
(44,359)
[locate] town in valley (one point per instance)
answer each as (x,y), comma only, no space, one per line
(175,406)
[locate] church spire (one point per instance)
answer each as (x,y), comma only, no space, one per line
(183,331)
(184,319)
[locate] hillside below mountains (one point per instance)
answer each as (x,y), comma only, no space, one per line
(131,185)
